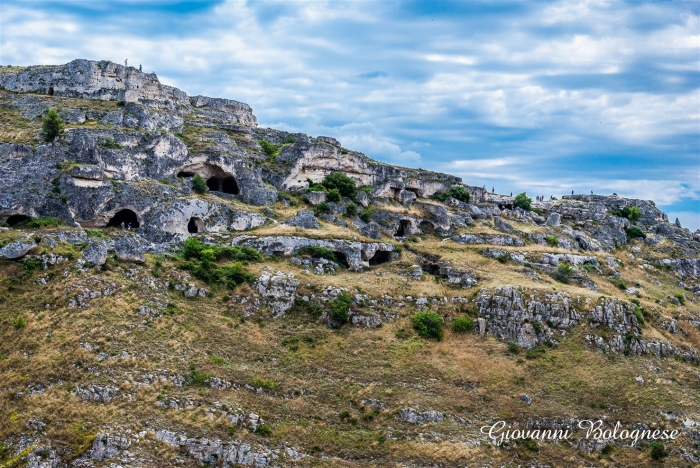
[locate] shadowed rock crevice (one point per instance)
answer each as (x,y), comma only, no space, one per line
(196,225)
(381,256)
(13,220)
(403,228)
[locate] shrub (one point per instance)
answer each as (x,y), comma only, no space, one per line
(52,125)
(263,430)
(619,283)
(201,258)
(270,149)
(344,184)
(317,252)
(536,352)
(503,258)
(267,384)
(339,309)
(351,210)
(658,450)
(513,348)
(109,143)
(523,201)
(563,273)
(366,215)
(456,191)
(680,297)
(428,324)
(630,212)
(19,322)
(529,444)
(462,324)
(553,241)
(322,207)
(198,184)
(333,195)
(199,379)
(634,232)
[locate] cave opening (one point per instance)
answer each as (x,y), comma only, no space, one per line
(196,225)
(381,256)
(16,219)
(185,174)
(342,259)
(223,184)
(427,227)
(50,91)
(403,228)
(126,216)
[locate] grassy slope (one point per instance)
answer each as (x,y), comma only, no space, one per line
(323,374)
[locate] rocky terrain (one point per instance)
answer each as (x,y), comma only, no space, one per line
(268,320)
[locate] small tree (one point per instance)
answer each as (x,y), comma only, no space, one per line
(51,125)
(523,201)
(198,184)
(333,195)
(456,191)
(338,180)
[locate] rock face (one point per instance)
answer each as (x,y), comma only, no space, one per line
(278,291)
(487,239)
(511,317)
(357,255)
(304,219)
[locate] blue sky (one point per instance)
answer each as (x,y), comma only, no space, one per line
(542,97)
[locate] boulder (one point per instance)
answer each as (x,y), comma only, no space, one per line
(96,253)
(17,249)
(278,290)
(553,219)
(362,198)
(316,197)
(487,239)
(304,219)
(129,249)
(371,229)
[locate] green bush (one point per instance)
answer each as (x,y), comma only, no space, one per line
(199,185)
(680,297)
(523,201)
(199,379)
(317,252)
(322,207)
(351,210)
(456,191)
(536,352)
(267,384)
(19,322)
(503,258)
(339,309)
(529,444)
(270,149)
(658,450)
(333,195)
(366,215)
(109,143)
(618,282)
(634,232)
(553,241)
(200,260)
(428,324)
(462,324)
(513,348)
(304,306)
(314,187)
(52,125)
(563,273)
(344,184)
(630,212)
(263,430)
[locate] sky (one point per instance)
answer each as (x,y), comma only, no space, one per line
(537,97)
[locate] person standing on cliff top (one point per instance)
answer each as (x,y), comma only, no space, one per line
(126,62)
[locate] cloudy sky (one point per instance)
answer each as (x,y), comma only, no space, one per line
(542,97)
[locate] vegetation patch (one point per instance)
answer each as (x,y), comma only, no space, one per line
(428,324)
(462,324)
(456,191)
(523,201)
(202,261)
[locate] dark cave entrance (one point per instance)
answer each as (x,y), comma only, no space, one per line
(342,259)
(196,225)
(185,174)
(50,91)
(125,216)
(505,206)
(403,228)
(381,256)
(16,219)
(427,227)
(223,184)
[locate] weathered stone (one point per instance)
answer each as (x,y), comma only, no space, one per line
(554,219)
(413,416)
(487,239)
(130,249)
(316,197)
(17,249)
(96,253)
(304,219)
(278,290)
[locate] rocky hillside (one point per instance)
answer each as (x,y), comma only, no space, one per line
(179,287)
